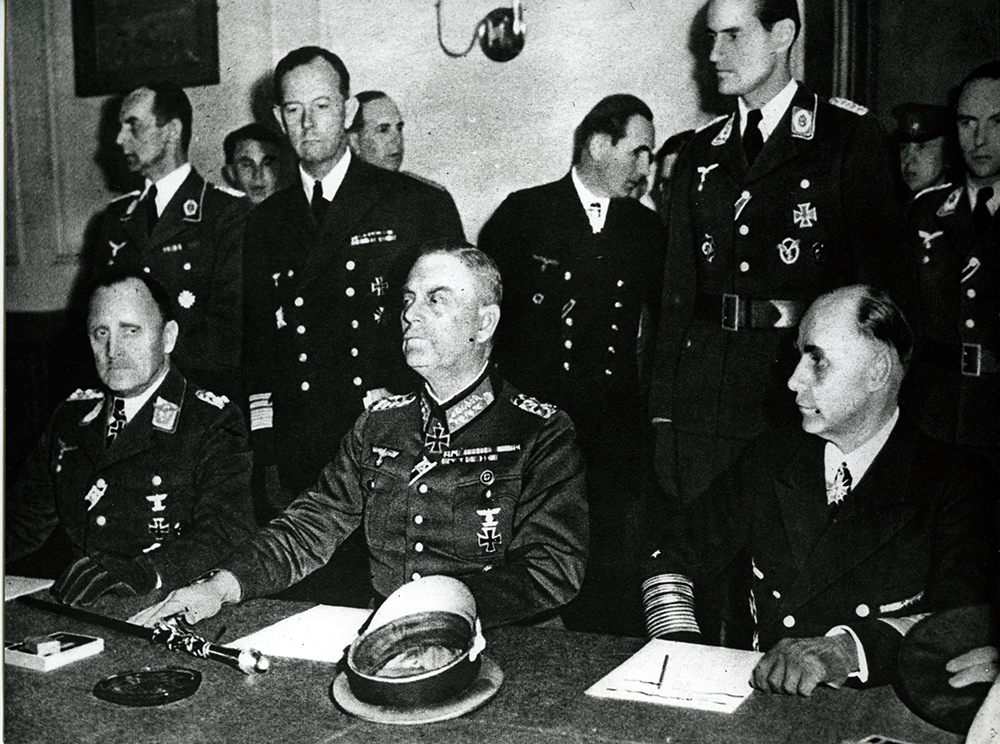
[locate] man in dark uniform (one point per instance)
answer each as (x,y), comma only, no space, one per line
(955,385)
(180,230)
(906,525)
(319,266)
(144,484)
(465,477)
(581,263)
(923,130)
(786,198)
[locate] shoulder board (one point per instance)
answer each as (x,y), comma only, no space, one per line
(211,398)
(394,401)
(849,105)
(716,120)
(930,189)
(533,405)
(90,394)
(129,195)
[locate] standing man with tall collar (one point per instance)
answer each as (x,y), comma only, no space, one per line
(320,263)
(582,263)
(956,234)
(786,198)
(182,231)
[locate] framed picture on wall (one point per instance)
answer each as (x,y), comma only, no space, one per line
(120,44)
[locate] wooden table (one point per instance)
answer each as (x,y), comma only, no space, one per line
(541,701)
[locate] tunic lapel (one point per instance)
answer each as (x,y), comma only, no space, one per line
(800,492)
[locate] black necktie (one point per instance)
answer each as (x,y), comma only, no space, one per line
(151,215)
(981,216)
(117,419)
(753,140)
(318,202)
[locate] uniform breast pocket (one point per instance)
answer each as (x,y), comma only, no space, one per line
(383,514)
(483,515)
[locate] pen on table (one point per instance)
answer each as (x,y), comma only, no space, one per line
(663,671)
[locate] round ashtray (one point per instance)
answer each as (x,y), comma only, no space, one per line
(145,687)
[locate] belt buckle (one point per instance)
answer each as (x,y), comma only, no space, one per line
(972,359)
(730,311)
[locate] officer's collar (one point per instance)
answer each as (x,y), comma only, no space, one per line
(460,409)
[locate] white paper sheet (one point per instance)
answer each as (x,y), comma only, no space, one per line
(321,633)
(18,586)
(696,676)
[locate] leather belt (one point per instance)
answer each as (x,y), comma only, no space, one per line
(972,360)
(735,313)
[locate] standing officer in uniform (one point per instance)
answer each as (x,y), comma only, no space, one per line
(180,230)
(955,384)
(922,130)
(144,484)
(319,268)
(582,263)
(847,529)
(786,198)
(465,477)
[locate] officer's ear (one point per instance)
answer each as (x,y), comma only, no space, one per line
(782,36)
(489,318)
(880,369)
(170,331)
(276,110)
(598,145)
(351,107)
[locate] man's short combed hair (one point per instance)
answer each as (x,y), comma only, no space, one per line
(610,116)
(254,131)
(880,318)
(113,277)
(303,56)
(770,12)
(171,102)
(480,264)
(364,97)
(987,71)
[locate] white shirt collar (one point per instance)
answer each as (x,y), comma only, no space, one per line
(861,458)
(588,198)
(772,111)
(973,191)
(331,181)
(134,404)
(167,186)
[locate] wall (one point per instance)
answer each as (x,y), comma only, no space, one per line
(480,128)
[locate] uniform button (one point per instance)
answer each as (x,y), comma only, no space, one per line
(157,480)
(305,386)
(349,291)
(419,547)
(804,183)
(970,293)
(187,267)
(303,356)
(862,610)
(745,195)
(291,273)
(101,521)
(354,324)
(925,259)
(568,343)
(350,265)
(354,352)
(788,622)
(567,276)
(58,468)
(488,494)
(744,230)
(621,283)
(298,302)
(569,321)
(422,488)
(415,576)
(618,305)
(357,382)
(566,366)
(614,326)
(611,349)
(418,519)
(687,344)
(744,267)
(146,269)
(101,483)
(607,372)
(970,323)
(776,594)
(487,567)
(300,330)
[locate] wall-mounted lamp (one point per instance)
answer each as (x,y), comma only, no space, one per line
(500,33)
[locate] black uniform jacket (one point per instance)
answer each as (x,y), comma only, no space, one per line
(916,534)
(322,322)
(960,315)
(814,212)
(573,300)
(195,253)
(497,501)
(174,485)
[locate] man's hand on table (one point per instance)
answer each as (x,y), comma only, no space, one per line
(195,602)
(796,665)
(978,665)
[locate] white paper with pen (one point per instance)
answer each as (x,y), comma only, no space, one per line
(696,676)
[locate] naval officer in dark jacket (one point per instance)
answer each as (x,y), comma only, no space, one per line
(182,231)
(145,483)
(788,197)
(844,532)
(465,477)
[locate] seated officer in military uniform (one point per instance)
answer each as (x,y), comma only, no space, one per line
(906,525)
(141,485)
(466,477)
